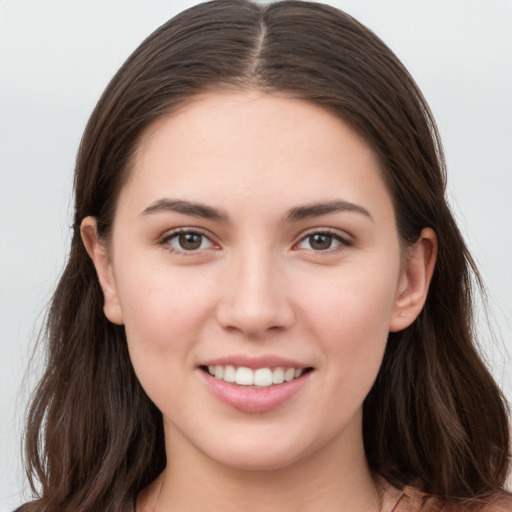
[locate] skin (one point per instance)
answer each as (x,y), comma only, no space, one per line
(259,286)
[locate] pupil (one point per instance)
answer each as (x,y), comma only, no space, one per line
(320,242)
(190,241)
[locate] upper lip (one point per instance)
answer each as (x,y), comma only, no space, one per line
(255,362)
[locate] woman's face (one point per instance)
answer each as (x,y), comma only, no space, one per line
(255,232)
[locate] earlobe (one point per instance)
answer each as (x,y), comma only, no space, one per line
(100,257)
(418,268)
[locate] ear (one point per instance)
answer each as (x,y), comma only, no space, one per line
(99,255)
(418,267)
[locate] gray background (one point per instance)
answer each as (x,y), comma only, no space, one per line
(57,56)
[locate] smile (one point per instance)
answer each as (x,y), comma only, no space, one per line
(258,389)
(260,377)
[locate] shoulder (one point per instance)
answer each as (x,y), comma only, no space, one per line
(413,500)
(502,504)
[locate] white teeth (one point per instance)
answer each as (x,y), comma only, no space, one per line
(289,374)
(262,377)
(229,373)
(244,376)
(219,371)
(278,376)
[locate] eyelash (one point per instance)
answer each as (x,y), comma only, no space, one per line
(166,239)
(331,233)
(343,242)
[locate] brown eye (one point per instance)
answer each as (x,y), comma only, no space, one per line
(321,242)
(188,241)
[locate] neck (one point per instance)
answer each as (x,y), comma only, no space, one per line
(334,478)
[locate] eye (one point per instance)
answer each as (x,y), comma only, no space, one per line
(322,241)
(187,241)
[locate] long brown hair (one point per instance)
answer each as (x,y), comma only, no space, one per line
(434,417)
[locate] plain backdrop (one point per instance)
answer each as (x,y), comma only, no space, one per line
(57,56)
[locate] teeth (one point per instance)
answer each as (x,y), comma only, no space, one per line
(278,376)
(229,373)
(289,374)
(262,377)
(219,371)
(244,376)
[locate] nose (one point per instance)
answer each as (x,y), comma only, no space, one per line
(255,296)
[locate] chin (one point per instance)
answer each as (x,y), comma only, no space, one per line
(264,453)
(257,461)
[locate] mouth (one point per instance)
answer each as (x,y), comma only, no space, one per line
(255,385)
(259,378)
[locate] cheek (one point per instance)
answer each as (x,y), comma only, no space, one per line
(354,303)
(350,319)
(164,312)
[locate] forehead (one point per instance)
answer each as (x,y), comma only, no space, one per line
(251,145)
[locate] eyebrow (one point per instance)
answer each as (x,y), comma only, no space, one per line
(187,208)
(318,209)
(295,214)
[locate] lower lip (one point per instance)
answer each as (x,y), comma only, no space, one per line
(254,400)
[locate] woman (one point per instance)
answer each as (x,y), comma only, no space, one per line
(267,304)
